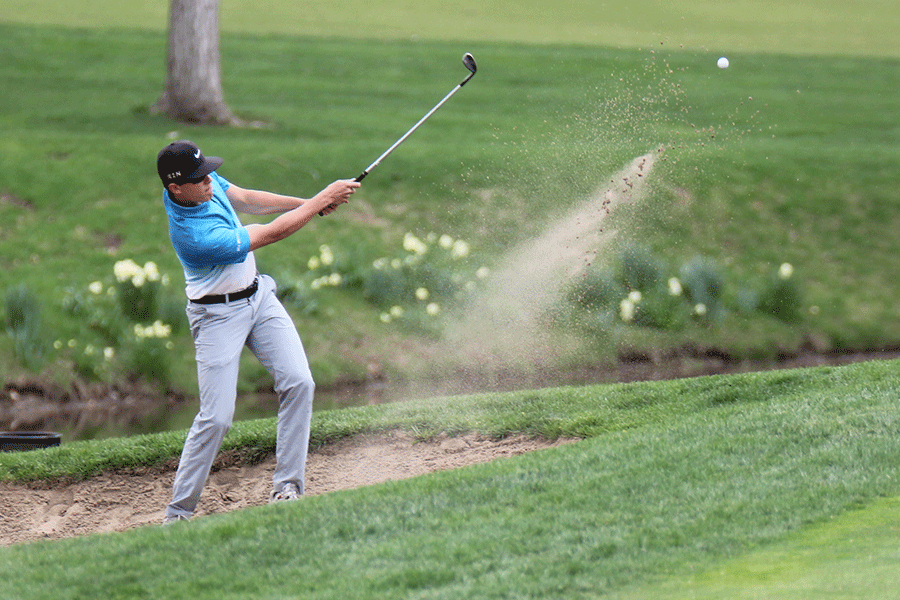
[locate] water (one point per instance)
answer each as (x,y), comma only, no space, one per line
(265,405)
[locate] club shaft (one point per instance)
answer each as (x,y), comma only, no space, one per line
(411,130)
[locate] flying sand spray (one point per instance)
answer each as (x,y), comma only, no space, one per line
(503,325)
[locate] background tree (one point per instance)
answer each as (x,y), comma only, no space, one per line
(193,75)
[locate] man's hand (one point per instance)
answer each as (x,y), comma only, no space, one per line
(336,194)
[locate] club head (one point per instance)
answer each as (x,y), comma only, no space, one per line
(469,61)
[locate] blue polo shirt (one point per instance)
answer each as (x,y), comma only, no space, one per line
(211,243)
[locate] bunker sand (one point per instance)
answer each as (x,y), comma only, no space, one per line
(121,501)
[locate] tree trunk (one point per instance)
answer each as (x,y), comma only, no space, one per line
(193,75)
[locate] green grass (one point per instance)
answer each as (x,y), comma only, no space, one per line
(850,556)
(675,483)
(805,172)
(681,487)
(581,412)
(830,27)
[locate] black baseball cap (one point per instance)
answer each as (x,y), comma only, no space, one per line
(180,161)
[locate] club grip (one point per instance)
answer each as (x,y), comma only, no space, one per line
(358,178)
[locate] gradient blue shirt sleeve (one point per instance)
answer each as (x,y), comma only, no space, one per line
(210,234)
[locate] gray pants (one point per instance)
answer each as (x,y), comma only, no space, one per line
(220,332)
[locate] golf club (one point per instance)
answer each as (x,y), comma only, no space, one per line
(469,61)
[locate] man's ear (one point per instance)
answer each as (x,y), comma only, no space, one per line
(174,189)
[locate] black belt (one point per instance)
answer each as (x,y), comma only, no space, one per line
(225,298)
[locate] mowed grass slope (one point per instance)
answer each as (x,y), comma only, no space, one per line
(675,482)
(778,159)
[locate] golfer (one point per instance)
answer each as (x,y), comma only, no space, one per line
(231,305)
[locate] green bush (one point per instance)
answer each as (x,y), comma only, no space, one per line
(640,269)
(413,285)
(138,288)
(597,289)
(781,297)
(635,290)
(704,286)
(23,325)
(129,324)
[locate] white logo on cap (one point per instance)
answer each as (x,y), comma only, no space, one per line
(197,154)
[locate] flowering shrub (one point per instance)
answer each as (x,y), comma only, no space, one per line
(781,297)
(414,285)
(124,324)
(704,287)
(138,287)
(420,281)
(636,291)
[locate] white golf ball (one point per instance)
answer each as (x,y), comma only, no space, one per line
(722,63)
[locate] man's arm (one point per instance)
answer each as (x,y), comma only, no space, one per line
(258,202)
(299,211)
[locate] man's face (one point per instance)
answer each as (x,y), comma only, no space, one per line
(192,194)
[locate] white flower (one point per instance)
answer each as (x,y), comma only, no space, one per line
(635,297)
(157,330)
(482,273)
(326,255)
(151,271)
(785,270)
(413,244)
(626,310)
(422,294)
(161,329)
(313,263)
(335,279)
(96,288)
(445,242)
(58,344)
(380,263)
(385,317)
(396,311)
(396,264)
(700,309)
(432,309)
(675,287)
(126,269)
(109,353)
(460,249)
